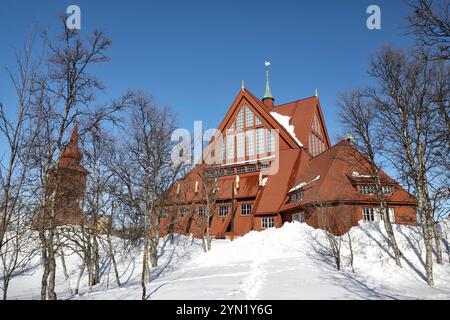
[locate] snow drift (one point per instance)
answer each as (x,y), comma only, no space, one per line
(284,263)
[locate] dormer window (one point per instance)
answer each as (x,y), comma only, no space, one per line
(296,196)
(369,189)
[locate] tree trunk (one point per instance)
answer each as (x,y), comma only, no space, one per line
(113,259)
(437,242)
(350,246)
(66,275)
(144,267)
(427,234)
(44,279)
(96,258)
(51,267)
(77,288)
(5,286)
(391,236)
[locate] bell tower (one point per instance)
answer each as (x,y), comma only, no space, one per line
(66,186)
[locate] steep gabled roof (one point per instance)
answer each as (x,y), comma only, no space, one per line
(262,110)
(302,114)
(334,167)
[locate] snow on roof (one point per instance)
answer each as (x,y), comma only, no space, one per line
(358,175)
(302,184)
(284,121)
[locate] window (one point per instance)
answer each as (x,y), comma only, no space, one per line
(299,216)
(387,190)
(260,141)
(375,214)
(240,143)
(263,166)
(367,189)
(223,211)
(250,142)
(267,222)
(240,119)
(297,196)
(230,171)
(230,146)
(246,209)
(240,169)
(201,211)
(257,121)
(222,150)
(251,168)
(316,125)
(270,141)
(315,144)
(182,212)
(248,117)
(368,214)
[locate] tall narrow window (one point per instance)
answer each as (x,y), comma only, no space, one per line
(270,141)
(260,141)
(240,144)
(248,117)
(230,146)
(240,119)
(250,143)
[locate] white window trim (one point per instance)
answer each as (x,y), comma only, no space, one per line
(267,219)
(299,217)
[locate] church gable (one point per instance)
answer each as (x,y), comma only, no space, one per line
(246,132)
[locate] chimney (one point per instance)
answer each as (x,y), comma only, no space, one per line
(268,99)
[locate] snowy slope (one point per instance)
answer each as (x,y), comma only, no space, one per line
(284,263)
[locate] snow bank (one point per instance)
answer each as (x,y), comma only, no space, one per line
(284,263)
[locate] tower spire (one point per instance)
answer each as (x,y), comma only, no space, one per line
(268,99)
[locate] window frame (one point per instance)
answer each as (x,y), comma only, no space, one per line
(220,213)
(245,205)
(267,222)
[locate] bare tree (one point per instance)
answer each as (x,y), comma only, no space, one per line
(359,118)
(68,85)
(406,106)
(430,23)
(148,173)
(209,190)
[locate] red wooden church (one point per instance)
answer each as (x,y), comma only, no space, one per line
(265,180)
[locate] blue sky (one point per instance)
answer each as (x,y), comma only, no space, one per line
(192,55)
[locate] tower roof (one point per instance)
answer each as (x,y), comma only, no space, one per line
(72,153)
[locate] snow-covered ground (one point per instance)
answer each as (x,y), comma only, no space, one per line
(284,263)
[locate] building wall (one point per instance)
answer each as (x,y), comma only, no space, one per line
(340,218)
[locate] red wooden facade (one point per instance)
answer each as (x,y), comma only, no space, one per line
(314,179)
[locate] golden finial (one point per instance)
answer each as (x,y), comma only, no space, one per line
(243,85)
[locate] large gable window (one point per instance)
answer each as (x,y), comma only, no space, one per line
(240,119)
(250,143)
(260,141)
(316,143)
(247,137)
(249,119)
(240,143)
